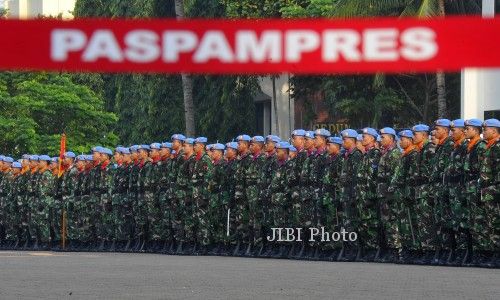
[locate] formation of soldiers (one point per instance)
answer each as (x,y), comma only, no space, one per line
(423,195)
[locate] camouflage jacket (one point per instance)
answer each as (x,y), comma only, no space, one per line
(45,186)
(120,180)
(306,168)
(425,163)
(331,177)
(68,182)
(490,173)
(268,168)
(387,165)
(367,174)
(441,162)
(318,168)
(406,176)
(348,173)
(454,172)
(229,181)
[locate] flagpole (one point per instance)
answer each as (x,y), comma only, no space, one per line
(62,150)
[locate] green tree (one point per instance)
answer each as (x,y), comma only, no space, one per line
(38,107)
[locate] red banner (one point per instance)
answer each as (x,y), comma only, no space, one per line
(251,46)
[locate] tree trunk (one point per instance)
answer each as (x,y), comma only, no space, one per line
(440,79)
(275,104)
(441,95)
(187,83)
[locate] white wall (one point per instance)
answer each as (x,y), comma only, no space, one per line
(480,87)
(480,92)
(25,9)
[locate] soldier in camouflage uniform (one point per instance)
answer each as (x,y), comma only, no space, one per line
(100,199)
(438,179)
(318,168)
(72,188)
(330,204)
(487,211)
(175,201)
(348,183)
(164,198)
(3,202)
(154,215)
(280,207)
(33,200)
(121,206)
(403,185)
(455,180)
(369,232)
(230,181)
(43,202)
(270,163)
(241,209)
(298,141)
(218,199)
(307,212)
(63,191)
(199,184)
(145,197)
(474,152)
(253,184)
(13,231)
(5,187)
(424,193)
(390,156)
(184,197)
(133,190)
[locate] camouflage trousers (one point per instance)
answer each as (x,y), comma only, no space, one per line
(13,221)
(254,215)
(184,224)
(296,204)
(93,217)
(368,222)
(486,220)
(307,206)
(123,217)
(140,210)
(239,219)
(154,216)
(79,221)
(460,213)
(350,213)
(389,218)
(39,225)
(166,213)
(56,218)
(107,229)
(408,223)
(201,218)
(217,216)
(428,218)
(328,217)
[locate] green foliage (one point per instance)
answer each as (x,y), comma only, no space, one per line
(150,107)
(38,107)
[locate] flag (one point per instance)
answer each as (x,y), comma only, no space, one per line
(62,150)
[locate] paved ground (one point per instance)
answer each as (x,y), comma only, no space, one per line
(53,275)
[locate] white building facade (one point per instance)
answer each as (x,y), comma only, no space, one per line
(30,9)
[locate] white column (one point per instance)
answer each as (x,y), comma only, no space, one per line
(480,87)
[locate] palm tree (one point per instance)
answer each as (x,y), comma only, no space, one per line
(187,83)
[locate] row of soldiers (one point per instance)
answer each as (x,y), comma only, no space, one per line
(420,195)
